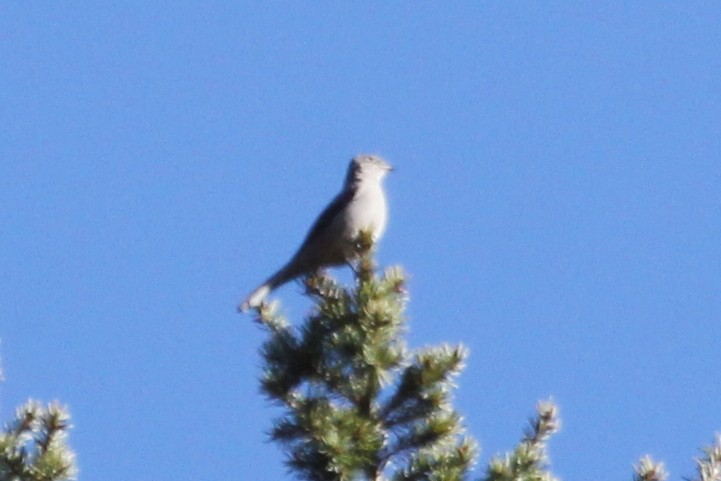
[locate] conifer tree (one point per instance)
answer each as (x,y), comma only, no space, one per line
(359,405)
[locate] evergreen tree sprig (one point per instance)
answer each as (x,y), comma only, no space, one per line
(709,466)
(529,461)
(33,447)
(649,470)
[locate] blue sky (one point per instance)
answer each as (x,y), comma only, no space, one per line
(556,205)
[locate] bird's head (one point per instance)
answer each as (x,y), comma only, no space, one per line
(367,167)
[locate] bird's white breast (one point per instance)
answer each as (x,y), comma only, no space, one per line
(367,211)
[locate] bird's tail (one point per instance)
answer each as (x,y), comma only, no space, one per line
(256,298)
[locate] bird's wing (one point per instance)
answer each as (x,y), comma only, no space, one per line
(325,219)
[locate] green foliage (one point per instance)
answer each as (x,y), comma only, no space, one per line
(357,403)
(649,470)
(33,447)
(529,461)
(709,466)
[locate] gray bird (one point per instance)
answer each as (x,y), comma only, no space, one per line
(360,205)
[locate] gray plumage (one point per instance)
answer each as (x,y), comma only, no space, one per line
(360,205)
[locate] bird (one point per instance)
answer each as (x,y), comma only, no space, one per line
(360,206)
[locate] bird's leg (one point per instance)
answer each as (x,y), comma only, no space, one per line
(314,281)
